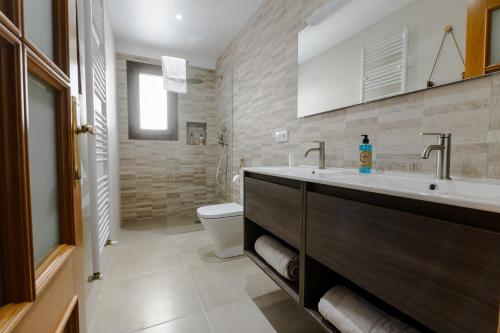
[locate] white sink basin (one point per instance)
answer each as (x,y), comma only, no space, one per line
(471,193)
(304,171)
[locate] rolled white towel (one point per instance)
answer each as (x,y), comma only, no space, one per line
(350,313)
(279,257)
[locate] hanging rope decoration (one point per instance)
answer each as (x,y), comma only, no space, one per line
(448,30)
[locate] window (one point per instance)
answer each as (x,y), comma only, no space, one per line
(152,111)
(152,103)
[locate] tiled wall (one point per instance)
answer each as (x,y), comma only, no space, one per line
(160,178)
(263,59)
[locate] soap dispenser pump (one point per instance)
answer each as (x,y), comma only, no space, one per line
(365,155)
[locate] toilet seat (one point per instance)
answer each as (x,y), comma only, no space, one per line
(220,211)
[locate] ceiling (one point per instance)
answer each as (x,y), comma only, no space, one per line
(150,28)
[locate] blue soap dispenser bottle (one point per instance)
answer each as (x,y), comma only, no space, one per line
(365,156)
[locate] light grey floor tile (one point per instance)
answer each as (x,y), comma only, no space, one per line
(241,316)
(149,257)
(158,282)
(195,323)
(144,300)
(284,314)
(227,281)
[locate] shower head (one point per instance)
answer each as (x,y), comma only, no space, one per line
(198,78)
(194,80)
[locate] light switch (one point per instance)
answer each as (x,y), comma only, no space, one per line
(281,136)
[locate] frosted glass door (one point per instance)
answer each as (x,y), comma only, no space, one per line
(38,18)
(495,37)
(43,168)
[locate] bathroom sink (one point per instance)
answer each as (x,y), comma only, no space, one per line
(305,170)
(466,192)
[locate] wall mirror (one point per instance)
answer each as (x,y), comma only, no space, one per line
(357,51)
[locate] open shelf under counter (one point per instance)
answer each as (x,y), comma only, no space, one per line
(427,260)
(325,324)
(320,279)
(290,287)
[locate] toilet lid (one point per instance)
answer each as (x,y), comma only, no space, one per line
(219,211)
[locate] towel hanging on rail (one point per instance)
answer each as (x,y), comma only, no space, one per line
(174,74)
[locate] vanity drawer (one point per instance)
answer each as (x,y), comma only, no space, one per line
(275,207)
(445,275)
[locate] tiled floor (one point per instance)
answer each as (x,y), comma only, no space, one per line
(159,282)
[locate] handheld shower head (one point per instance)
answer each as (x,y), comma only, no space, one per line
(222,136)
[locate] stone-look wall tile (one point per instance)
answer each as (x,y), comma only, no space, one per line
(399,142)
(464,110)
(160,178)
(494,135)
(494,160)
(263,98)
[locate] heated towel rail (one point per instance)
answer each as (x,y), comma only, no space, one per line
(384,68)
(98,144)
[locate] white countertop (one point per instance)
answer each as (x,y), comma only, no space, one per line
(482,194)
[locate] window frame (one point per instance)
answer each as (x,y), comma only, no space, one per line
(134,69)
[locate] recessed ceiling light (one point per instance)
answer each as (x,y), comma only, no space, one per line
(179,17)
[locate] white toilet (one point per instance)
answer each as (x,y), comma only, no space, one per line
(224,223)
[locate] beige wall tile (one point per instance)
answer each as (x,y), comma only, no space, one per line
(263,58)
(160,178)
(253,93)
(493,164)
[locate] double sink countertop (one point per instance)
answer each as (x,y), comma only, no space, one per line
(481,194)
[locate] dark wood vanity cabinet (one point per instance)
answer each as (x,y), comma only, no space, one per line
(436,265)
(442,274)
(275,204)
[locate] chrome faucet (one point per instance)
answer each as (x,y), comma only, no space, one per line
(443,148)
(321,150)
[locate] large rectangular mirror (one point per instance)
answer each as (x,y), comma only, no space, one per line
(357,51)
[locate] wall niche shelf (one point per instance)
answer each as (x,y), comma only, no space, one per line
(196,134)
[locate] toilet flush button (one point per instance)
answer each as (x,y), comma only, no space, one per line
(281,136)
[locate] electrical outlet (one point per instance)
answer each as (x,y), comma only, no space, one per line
(281,136)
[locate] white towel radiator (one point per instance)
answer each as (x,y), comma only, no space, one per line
(384,67)
(95,73)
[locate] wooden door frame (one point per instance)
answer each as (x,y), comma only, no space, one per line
(14,22)
(19,277)
(22,282)
(477,49)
